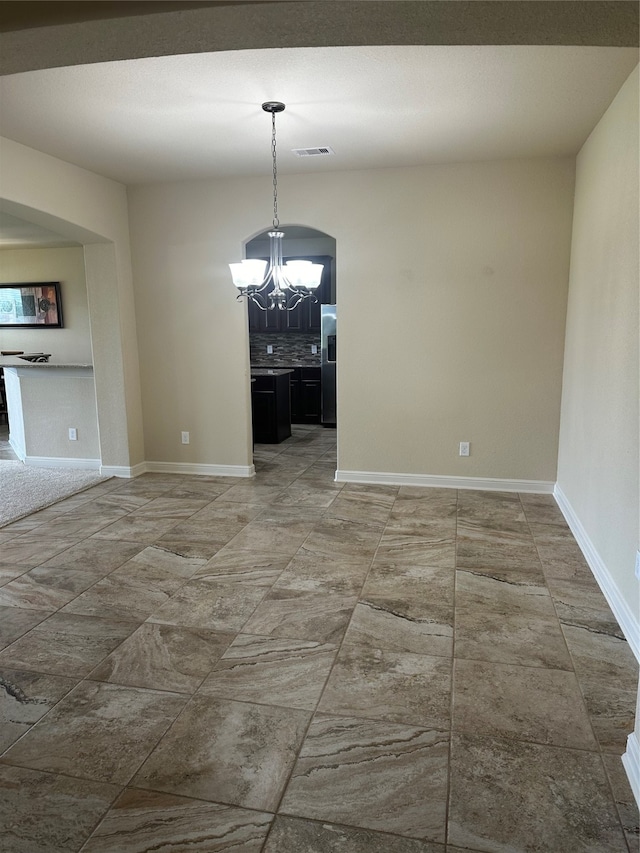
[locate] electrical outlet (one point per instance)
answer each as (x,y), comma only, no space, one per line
(465,448)
(73,434)
(314,349)
(269,349)
(185,438)
(638,565)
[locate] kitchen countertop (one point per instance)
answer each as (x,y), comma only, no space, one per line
(16,361)
(265,371)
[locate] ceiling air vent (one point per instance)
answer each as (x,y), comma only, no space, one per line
(323,151)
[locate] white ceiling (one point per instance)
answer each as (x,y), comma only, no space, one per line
(187,117)
(198,115)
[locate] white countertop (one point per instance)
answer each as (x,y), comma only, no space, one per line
(16,361)
(265,371)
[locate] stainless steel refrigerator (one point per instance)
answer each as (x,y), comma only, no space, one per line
(328,364)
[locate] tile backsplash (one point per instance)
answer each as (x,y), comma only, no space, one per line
(289,350)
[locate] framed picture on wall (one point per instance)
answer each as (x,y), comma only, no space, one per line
(33,305)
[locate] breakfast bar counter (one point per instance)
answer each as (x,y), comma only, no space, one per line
(52,412)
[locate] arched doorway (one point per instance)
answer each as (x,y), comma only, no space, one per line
(297,339)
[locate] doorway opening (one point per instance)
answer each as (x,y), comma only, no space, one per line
(296,341)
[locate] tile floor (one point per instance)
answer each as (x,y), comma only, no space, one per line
(290,665)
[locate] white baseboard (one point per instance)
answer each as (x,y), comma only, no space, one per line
(200,470)
(631,761)
(178,468)
(383,478)
(123,470)
(62,462)
(628,621)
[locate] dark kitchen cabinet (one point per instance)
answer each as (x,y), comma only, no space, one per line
(306,397)
(305,317)
(271,408)
(264,321)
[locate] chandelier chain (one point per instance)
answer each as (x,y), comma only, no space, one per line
(276,285)
(276,221)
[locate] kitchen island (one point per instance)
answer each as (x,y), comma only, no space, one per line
(271,405)
(48,403)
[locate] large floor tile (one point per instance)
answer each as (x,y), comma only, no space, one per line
(272,671)
(142,821)
(608,674)
(368,507)
(45,813)
(507,622)
(25,697)
(306,494)
(522,702)
(508,795)
(426,503)
(15,622)
(227,752)
(493,509)
(236,565)
(91,555)
(339,575)
(505,546)
(210,605)
(30,550)
(45,588)
(158,562)
(300,615)
(170,508)
(371,774)
(295,835)
(137,528)
(10,571)
(337,538)
(415,589)
(580,602)
(387,623)
(99,731)
(122,597)
(66,644)
(436,549)
(200,488)
(164,657)
(542,509)
(400,687)
(186,541)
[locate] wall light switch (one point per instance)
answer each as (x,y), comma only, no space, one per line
(269,349)
(73,434)
(464,448)
(314,349)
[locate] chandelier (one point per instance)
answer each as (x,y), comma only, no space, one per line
(292,282)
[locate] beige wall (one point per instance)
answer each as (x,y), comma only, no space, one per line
(598,456)
(92,210)
(66,265)
(451,292)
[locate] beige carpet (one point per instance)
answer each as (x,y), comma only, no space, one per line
(25,489)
